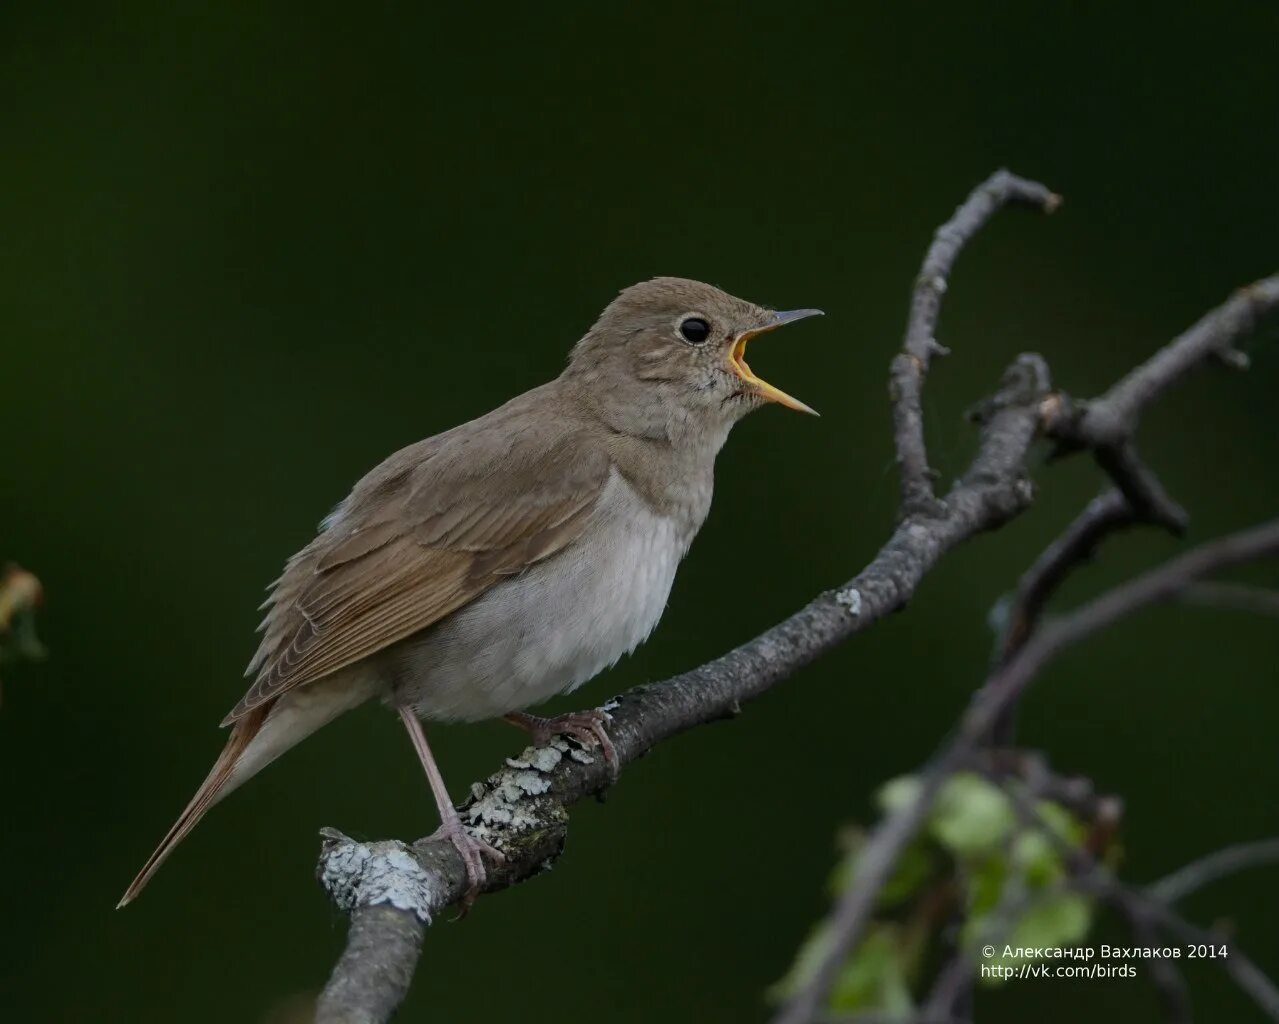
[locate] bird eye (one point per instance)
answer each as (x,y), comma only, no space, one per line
(695,330)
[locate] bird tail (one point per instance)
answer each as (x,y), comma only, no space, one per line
(242,734)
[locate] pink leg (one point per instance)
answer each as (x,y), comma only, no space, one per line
(586,726)
(472,850)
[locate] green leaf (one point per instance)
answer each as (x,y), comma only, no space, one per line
(810,955)
(915,868)
(1037,858)
(896,793)
(985,885)
(1055,919)
(1061,822)
(972,817)
(874,977)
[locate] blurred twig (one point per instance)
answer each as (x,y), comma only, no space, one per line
(1234,596)
(1229,861)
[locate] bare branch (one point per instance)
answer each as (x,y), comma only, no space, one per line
(1138,483)
(920,344)
(374,972)
(1228,861)
(1235,596)
(1250,978)
(1113,417)
(1105,514)
(1107,425)
(1170,986)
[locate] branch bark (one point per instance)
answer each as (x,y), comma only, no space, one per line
(920,344)
(1225,862)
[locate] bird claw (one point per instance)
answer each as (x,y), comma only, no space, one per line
(472,851)
(587,727)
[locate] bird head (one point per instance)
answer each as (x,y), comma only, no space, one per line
(680,345)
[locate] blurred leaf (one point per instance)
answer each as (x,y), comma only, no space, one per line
(1036,857)
(20,593)
(1056,919)
(985,885)
(972,817)
(807,960)
(915,868)
(1060,822)
(896,793)
(22,641)
(874,978)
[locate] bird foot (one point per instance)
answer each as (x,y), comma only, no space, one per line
(587,727)
(473,851)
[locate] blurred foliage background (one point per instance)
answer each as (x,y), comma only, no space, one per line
(250,249)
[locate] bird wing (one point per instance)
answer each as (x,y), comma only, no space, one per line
(425,533)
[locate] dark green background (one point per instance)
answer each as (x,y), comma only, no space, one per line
(247,250)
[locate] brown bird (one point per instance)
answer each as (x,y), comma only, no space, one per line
(486,569)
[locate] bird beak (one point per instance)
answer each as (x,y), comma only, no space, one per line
(737,360)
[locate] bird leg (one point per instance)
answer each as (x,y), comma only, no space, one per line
(472,850)
(585,726)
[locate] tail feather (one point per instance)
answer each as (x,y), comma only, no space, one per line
(242,733)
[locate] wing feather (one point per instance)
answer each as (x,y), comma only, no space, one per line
(424,534)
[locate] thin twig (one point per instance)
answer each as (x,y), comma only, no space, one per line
(1144,492)
(1251,979)
(1105,514)
(1107,425)
(1228,861)
(920,345)
(1114,415)
(1234,596)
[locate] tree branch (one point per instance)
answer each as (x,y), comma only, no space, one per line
(1235,596)
(1105,514)
(1107,425)
(1228,861)
(1250,978)
(910,368)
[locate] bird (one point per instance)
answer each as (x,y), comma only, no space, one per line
(479,572)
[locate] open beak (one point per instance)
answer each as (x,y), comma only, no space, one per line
(737,360)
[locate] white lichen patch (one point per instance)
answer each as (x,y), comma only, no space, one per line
(370,874)
(505,801)
(851,599)
(531,783)
(542,759)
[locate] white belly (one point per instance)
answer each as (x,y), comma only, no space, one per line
(553,627)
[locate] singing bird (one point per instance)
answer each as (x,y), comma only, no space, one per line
(486,569)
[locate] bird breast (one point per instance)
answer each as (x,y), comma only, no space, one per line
(557,624)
